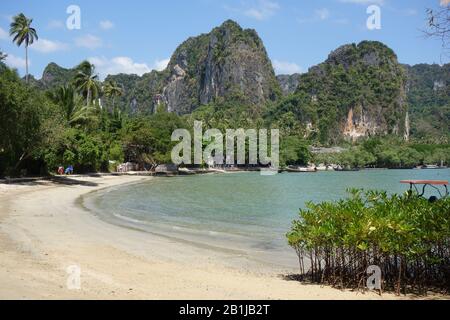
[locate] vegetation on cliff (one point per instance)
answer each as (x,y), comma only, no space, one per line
(358,91)
(429,102)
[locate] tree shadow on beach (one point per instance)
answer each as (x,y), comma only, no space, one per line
(300,278)
(430,294)
(73,181)
(60,180)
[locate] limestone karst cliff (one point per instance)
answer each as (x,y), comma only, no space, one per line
(360,90)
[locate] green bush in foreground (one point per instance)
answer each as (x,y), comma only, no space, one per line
(405,235)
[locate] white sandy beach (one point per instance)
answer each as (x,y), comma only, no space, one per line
(43,231)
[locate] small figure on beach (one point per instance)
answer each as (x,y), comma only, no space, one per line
(69,170)
(60,170)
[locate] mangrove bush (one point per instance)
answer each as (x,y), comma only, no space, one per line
(405,235)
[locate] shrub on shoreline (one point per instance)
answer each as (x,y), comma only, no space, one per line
(405,235)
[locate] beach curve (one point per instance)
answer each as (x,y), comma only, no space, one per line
(43,232)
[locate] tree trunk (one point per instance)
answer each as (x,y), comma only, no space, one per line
(88,98)
(26,63)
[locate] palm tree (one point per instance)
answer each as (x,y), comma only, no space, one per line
(64,96)
(112,90)
(22,32)
(3,56)
(71,104)
(86,81)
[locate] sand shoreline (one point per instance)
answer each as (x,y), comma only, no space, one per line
(43,232)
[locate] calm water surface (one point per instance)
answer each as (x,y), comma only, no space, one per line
(243,213)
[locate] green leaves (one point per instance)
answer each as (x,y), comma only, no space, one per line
(375,228)
(86,81)
(22,116)
(21,30)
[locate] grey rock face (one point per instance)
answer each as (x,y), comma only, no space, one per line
(54,75)
(228,62)
(288,83)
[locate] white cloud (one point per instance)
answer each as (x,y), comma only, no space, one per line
(322,14)
(365,2)
(88,41)
(47,46)
(284,67)
(257,9)
(3,34)
(55,24)
(16,62)
(160,65)
(106,25)
(105,66)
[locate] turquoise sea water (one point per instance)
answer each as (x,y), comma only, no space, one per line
(241,213)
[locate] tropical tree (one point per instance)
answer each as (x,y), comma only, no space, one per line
(86,81)
(112,90)
(2,56)
(26,122)
(64,96)
(22,32)
(71,105)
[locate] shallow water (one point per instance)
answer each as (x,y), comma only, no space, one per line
(244,214)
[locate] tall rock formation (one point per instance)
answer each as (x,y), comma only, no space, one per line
(227,63)
(359,91)
(54,76)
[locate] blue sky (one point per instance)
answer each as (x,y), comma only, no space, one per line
(136,36)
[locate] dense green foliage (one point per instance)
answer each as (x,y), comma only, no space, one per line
(365,78)
(387,152)
(224,79)
(429,102)
(41,131)
(26,118)
(148,139)
(137,92)
(405,235)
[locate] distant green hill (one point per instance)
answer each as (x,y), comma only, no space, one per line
(54,76)
(139,92)
(428,91)
(358,91)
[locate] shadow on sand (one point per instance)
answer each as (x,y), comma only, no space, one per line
(61,180)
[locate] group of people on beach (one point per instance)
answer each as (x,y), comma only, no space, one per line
(68,170)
